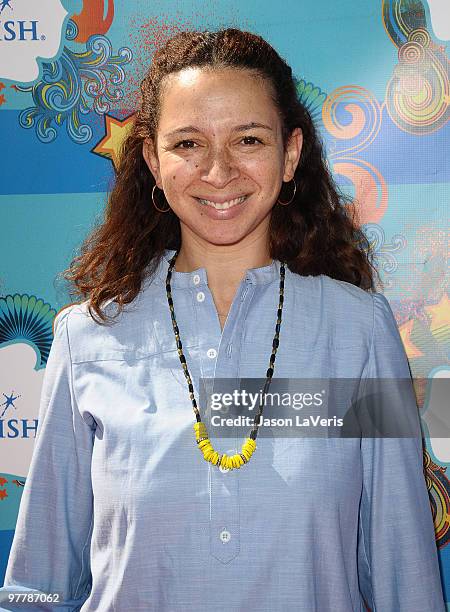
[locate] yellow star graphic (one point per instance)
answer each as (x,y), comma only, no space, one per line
(115,133)
(405,334)
(440,317)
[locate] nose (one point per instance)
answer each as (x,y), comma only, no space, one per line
(219,169)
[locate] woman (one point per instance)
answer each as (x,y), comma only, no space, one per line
(225,244)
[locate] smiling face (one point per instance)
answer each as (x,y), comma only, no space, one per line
(219,154)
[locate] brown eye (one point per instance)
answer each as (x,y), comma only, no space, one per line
(252,139)
(185,144)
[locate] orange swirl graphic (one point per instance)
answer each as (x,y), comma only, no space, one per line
(371,193)
(364,110)
(411,52)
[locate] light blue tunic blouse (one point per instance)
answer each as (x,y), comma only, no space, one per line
(121,513)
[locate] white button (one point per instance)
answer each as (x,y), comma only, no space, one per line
(225,536)
(196,279)
(212,353)
(224,469)
(200,296)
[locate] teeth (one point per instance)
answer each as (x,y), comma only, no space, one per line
(223,206)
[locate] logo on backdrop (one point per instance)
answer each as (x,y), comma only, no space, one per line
(20,390)
(25,340)
(28,30)
(15,427)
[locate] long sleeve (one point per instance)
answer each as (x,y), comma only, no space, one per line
(51,545)
(397,555)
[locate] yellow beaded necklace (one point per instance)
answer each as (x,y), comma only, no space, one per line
(201,434)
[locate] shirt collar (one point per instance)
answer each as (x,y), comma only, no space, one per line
(189,280)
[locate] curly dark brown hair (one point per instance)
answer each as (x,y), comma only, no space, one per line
(316,234)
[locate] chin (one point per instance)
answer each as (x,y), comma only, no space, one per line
(220,242)
(223,240)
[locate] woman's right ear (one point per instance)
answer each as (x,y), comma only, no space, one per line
(151,159)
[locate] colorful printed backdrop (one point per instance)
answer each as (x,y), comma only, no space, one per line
(375,75)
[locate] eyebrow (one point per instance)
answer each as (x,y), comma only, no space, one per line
(189,129)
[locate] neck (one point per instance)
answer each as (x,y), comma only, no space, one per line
(225,265)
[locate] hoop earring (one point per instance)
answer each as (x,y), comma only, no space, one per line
(293,195)
(153,200)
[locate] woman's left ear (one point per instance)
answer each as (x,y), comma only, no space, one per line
(292,155)
(151,160)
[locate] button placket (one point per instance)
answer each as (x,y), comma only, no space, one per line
(224,492)
(224,483)
(206,317)
(225,514)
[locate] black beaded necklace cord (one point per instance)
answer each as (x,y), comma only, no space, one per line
(209,454)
